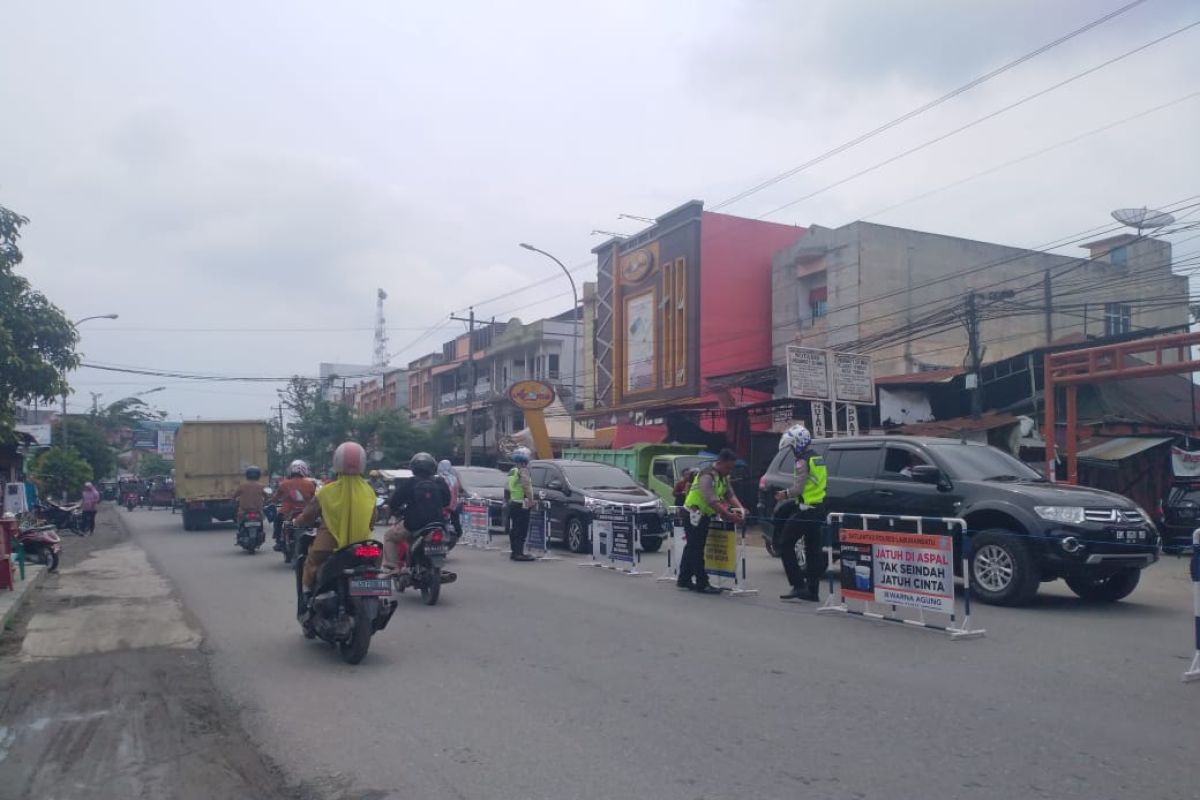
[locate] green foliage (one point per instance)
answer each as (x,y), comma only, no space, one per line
(119,418)
(58,470)
(89,442)
(153,465)
(37,343)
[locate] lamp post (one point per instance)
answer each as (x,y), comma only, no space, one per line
(578,333)
(76,324)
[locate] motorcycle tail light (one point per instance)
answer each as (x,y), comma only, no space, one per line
(251,515)
(367,551)
(435,537)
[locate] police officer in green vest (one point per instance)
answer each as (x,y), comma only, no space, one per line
(801,515)
(520,500)
(711,495)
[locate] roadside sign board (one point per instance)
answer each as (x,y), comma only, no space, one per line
(720,553)
(621,548)
(899,569)
(535,540)
(475,525)
(808,373)
(853,378)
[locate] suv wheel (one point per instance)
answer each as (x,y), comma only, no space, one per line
(1108,589)
(1002,570)
(652,544)
(577,536)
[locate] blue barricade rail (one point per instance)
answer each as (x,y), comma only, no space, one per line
(537,540)
(1193,672)
(616,540)
(734,582)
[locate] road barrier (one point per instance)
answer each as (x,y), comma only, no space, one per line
(676,540)
(891,569)
(537,541)
(1193,672)
(476,523)
(616,540)
(724,556)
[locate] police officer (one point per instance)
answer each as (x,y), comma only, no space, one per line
(520,500)
(801,515)
(711,495)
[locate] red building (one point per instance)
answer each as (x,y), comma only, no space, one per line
(679,304)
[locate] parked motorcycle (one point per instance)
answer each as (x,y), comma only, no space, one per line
(42,545)
(68,517)
(352,598)
(423,560)
(250,534)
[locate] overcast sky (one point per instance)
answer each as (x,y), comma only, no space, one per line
(269,164)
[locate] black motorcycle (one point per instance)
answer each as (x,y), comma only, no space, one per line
(351,600)
(250,535)
(288,534)
(65,518)
(423,561)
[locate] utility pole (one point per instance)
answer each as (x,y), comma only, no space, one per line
(974,354)
(467,436)
(1047,298)
(282,437)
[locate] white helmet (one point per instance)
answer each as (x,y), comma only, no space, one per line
(349,459)
(298,469)
(796,437)
(521,455)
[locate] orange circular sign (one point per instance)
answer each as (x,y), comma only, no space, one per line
(531,395)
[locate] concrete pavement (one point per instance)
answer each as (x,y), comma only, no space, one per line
(545,680)
(10,602)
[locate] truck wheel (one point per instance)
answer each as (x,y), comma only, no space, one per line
(652,544)
(1108,589)
(189,524)
(1002,569)
(577,536)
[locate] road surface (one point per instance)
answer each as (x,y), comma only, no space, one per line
(545,680)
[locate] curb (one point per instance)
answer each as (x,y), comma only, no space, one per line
(33,573)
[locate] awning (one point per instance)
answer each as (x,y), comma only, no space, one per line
(391,474)
(1122,447)
(442,369)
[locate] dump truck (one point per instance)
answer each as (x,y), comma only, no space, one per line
(655,466)
(211,458)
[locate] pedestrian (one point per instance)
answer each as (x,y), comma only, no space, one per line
(449,477)
(800,515)
(88,505)
(520,501)
(711,495)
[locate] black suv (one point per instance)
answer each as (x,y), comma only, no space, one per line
(1179,517)
(575,488)
(1024,530)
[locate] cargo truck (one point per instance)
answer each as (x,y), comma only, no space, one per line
(211,458)
(655,466)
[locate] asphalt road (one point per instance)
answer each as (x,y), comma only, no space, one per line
(544,680)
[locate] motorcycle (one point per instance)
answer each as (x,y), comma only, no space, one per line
(129,500)
(250,534)
(352,598)
(68,518)
(42,545)
(287,539)
(423,560)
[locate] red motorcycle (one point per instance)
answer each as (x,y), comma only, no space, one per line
(130,499)
(42,545)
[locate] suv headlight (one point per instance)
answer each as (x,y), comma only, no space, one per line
(1146,516)
(1070,515)
(591,503)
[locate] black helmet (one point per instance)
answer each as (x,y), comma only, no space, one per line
(423,465)
(253,473)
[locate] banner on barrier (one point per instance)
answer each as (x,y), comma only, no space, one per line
(535,540)
(602,532)
(720,553)
(899,569)
(621,543)
(476,524)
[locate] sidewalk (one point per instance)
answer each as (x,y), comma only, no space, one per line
(10,602)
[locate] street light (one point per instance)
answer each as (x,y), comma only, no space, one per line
(578,334)
(76,324)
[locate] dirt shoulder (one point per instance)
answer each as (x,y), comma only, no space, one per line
(108,694)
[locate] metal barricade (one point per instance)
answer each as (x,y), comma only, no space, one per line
(1193,672)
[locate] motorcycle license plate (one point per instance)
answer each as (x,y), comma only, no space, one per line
(435,550)
(370,587)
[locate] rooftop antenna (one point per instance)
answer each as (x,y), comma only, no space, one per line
(636,218)
(1143,218)
(382,359)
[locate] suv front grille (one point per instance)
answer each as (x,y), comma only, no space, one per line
(1123,516)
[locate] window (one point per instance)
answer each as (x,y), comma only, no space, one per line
(518,422)
(662,471)
(1119,256)
(1118,319)
(858,463)
(552,361)
(817,302)
(898,461)
(539,476)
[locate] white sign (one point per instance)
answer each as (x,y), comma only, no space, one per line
(807,373)
(818,420)
(853,379)
(40,433)
(899,569)
(1185,463)
(166,444)
(851,420)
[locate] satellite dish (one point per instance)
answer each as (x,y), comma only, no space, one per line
(1143,218)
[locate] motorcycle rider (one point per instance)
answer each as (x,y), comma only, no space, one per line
(711,495)
(249,495)
(293,494)
(346,509)
(445,471)
(520,501)
(418,502)
(800,515)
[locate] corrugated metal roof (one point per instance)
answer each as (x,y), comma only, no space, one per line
(921,378)
(1122,447)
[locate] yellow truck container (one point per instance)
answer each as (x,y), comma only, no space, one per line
(211,458)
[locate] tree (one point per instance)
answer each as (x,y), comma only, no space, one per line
(120,417)
(152,465)
(37,342)
(87,440)
(60,470)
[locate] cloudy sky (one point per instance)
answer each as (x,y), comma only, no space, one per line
(207,168)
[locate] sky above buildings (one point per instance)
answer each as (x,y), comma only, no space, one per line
(235,180)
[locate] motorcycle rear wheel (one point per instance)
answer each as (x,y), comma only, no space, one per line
(355,650)
(431,587)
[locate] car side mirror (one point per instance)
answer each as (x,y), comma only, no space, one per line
(926,473)
(555,485)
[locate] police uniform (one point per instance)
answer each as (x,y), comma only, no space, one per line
(519,489)
(698,512)
(793,522)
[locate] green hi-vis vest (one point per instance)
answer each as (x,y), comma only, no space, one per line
(814,486)
(516,492)
(695,498)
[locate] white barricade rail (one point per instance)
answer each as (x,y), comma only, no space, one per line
(724,556)
(616,540)
(676,540)
(476,524)
(895,569)
(1193,672)
(537,541)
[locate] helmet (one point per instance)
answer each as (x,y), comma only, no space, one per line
(349,459)
(796,437)
(423,465)
(298,469)
(253,473)
(521,455)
